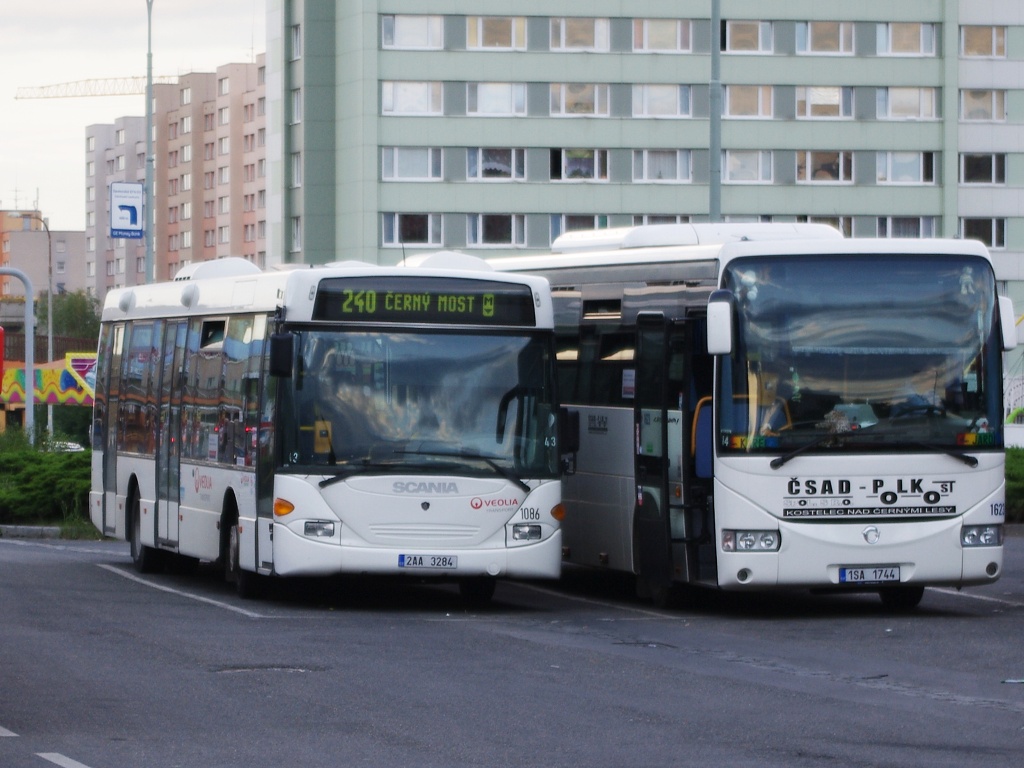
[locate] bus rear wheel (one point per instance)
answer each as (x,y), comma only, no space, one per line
(145,559)
(901,599)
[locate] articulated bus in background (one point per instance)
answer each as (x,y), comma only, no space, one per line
(344,419)
(774,406)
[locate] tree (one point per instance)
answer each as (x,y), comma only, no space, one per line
(74,314)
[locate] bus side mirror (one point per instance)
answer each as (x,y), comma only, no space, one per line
(282,348)
(720,330)
(1007,323)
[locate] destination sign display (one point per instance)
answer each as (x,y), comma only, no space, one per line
(424,300)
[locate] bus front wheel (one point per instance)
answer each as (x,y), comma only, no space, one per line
(901,599)
(249,585)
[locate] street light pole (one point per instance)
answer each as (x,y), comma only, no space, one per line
(49,308)
(147,208)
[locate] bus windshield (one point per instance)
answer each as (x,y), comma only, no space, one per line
(419,402)
(858,353)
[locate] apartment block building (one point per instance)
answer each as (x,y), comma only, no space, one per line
(397,125)
(209,183)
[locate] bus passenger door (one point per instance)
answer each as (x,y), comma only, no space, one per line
(168,455)
(652,537)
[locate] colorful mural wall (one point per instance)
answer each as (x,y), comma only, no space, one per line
(70,385)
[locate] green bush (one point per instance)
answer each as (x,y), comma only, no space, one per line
(38,487)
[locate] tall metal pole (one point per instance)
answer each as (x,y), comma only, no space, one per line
(49,304)
(30,351)
(715,95)
(147,208)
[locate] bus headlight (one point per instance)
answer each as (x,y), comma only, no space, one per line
(751,541)
(981,535)
(524,532)
(319,529)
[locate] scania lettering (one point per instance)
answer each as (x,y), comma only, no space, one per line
(756,395)
(350,418)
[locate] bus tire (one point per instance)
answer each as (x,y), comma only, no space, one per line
(145,559)
(477,591)
(249,585)
(901,599)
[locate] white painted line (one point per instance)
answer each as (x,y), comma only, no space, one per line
(58,759)
(602,603)
(5,733)
(179,593)
(972,596)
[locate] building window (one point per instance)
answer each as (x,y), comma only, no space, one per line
(224,116)
(906,39)
(906,226)
(824,167)
(825,37)
(905,103)
(186,153)
(992,232)
(296,169)
(983,105)
(411,98)
(843,223)
(297,105)
(296,37)
(400,229)
(982,169)
(224,145)
(747,37)
(223,86)
(296,234)
(412,32)
(186,211)
(905,167)
(579,34)
(983,42)
(496,33)
(748,101)
(820,102)
(747,166)
(659,218)
(495,164)
(579,165)
(579,100)
(661,36)
(661,166)
(560,224)
(488,229)
(186,125)
(185,96)
(411,163)
(224,204)
(495,99)
(224,175)
(186,182)
(661,100)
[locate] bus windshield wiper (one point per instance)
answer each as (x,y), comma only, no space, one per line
(505,472)
(348,468)
(780,461)
(966,458)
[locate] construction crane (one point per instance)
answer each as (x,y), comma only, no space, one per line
(109,86)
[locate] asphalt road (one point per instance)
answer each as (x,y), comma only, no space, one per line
(103,668)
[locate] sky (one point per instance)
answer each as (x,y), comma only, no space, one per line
(47,42)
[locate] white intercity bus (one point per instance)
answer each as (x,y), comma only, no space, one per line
(350,418)
(775,406)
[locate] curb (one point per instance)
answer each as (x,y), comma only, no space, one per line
(29,532)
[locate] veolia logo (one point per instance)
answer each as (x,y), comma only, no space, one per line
(478,503)
(202,482)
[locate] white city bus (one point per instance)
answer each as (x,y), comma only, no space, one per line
(774,406)
(344,419)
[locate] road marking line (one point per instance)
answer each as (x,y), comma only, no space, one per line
(5,733)
(58,759)
(602,603)
(180,593)
(986,598)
